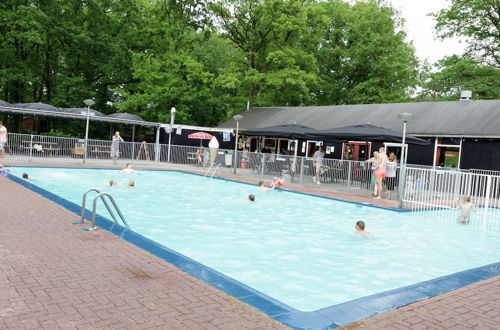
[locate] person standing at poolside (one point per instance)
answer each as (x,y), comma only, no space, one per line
(3,139)
(390,179)
(115,146)
(372,162)
(380,172)
(317,163)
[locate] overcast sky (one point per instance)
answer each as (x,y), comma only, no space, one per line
(420,28)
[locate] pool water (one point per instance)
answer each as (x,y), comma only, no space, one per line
(298,249)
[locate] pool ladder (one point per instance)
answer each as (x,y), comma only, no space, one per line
(215,170)
(100,195)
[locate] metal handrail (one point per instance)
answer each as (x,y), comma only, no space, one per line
(94,205)
(218,165)
(206,173)
(84,200)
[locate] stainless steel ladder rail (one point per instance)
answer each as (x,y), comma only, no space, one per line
(206,173)
(218,165)
(84,200)
(112,200)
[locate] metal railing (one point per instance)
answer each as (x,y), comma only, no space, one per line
(437,189)
(100,195)
(425,187)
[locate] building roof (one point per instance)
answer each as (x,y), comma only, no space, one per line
(460,118)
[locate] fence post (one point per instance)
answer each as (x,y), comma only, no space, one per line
(31,147)
(487,195)
(301,178)
(262,163)
(349,175)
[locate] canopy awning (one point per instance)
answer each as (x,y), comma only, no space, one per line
(365,132)
(75,115)
(289,131)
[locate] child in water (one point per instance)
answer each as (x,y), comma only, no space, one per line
(360,229)
(251,197)
(466,207)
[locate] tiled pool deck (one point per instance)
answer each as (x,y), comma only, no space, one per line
(55,276)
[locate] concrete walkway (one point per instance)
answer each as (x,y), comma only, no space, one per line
(476,306)
(55,276)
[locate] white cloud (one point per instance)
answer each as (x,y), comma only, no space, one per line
(420,29)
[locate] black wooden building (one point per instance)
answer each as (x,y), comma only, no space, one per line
(463,134)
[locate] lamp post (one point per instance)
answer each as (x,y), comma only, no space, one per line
(404,117)
(88,103)
(172,117)
(237,118)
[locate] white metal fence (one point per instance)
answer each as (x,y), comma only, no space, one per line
(428,189)
(425,187)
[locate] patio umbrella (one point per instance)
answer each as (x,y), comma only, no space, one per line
(365,132)
(290,131)
(200,135)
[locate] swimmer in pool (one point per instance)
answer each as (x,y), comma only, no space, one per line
(466,208)
(112,183)
(262,187)
(131,183)
(251,197)
(128,169)
(360,229)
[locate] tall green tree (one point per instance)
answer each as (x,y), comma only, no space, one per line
(454,74)
(170,72)
(272,35)
(363,56)
(476,20)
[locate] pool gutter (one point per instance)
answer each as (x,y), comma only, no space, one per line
(326,318)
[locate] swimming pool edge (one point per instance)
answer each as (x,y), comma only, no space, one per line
(329,317)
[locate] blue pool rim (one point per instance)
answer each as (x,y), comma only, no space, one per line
(325,318)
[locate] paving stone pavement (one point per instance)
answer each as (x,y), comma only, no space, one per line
(55,276)
(476,306)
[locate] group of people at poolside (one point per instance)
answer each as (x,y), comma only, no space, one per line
(384,172)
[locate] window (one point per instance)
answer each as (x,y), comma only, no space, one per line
(312,146)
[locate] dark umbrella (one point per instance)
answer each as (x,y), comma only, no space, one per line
(290,131)
(127,116)
(41,106)
(83,111)
(5,104)
(364,132)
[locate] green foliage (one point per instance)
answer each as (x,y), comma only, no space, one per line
(478,21)
(363,56)
(58,133)
(455,74)
(206,58)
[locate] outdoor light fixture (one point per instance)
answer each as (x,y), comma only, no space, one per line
(237,118)
(172,118)
(404,117)
(88,103)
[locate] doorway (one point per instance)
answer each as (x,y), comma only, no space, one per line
(356,151)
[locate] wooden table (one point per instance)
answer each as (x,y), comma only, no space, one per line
(50,147)
(98,150)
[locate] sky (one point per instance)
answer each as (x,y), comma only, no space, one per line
(420,29)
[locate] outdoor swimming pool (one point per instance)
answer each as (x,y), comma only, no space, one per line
(295,248)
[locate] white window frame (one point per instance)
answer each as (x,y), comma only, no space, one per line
(318,143)
(398,145)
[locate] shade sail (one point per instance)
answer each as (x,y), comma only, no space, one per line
(364,132)
(124,115)
(290,131)
(83,111)
(41,106)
